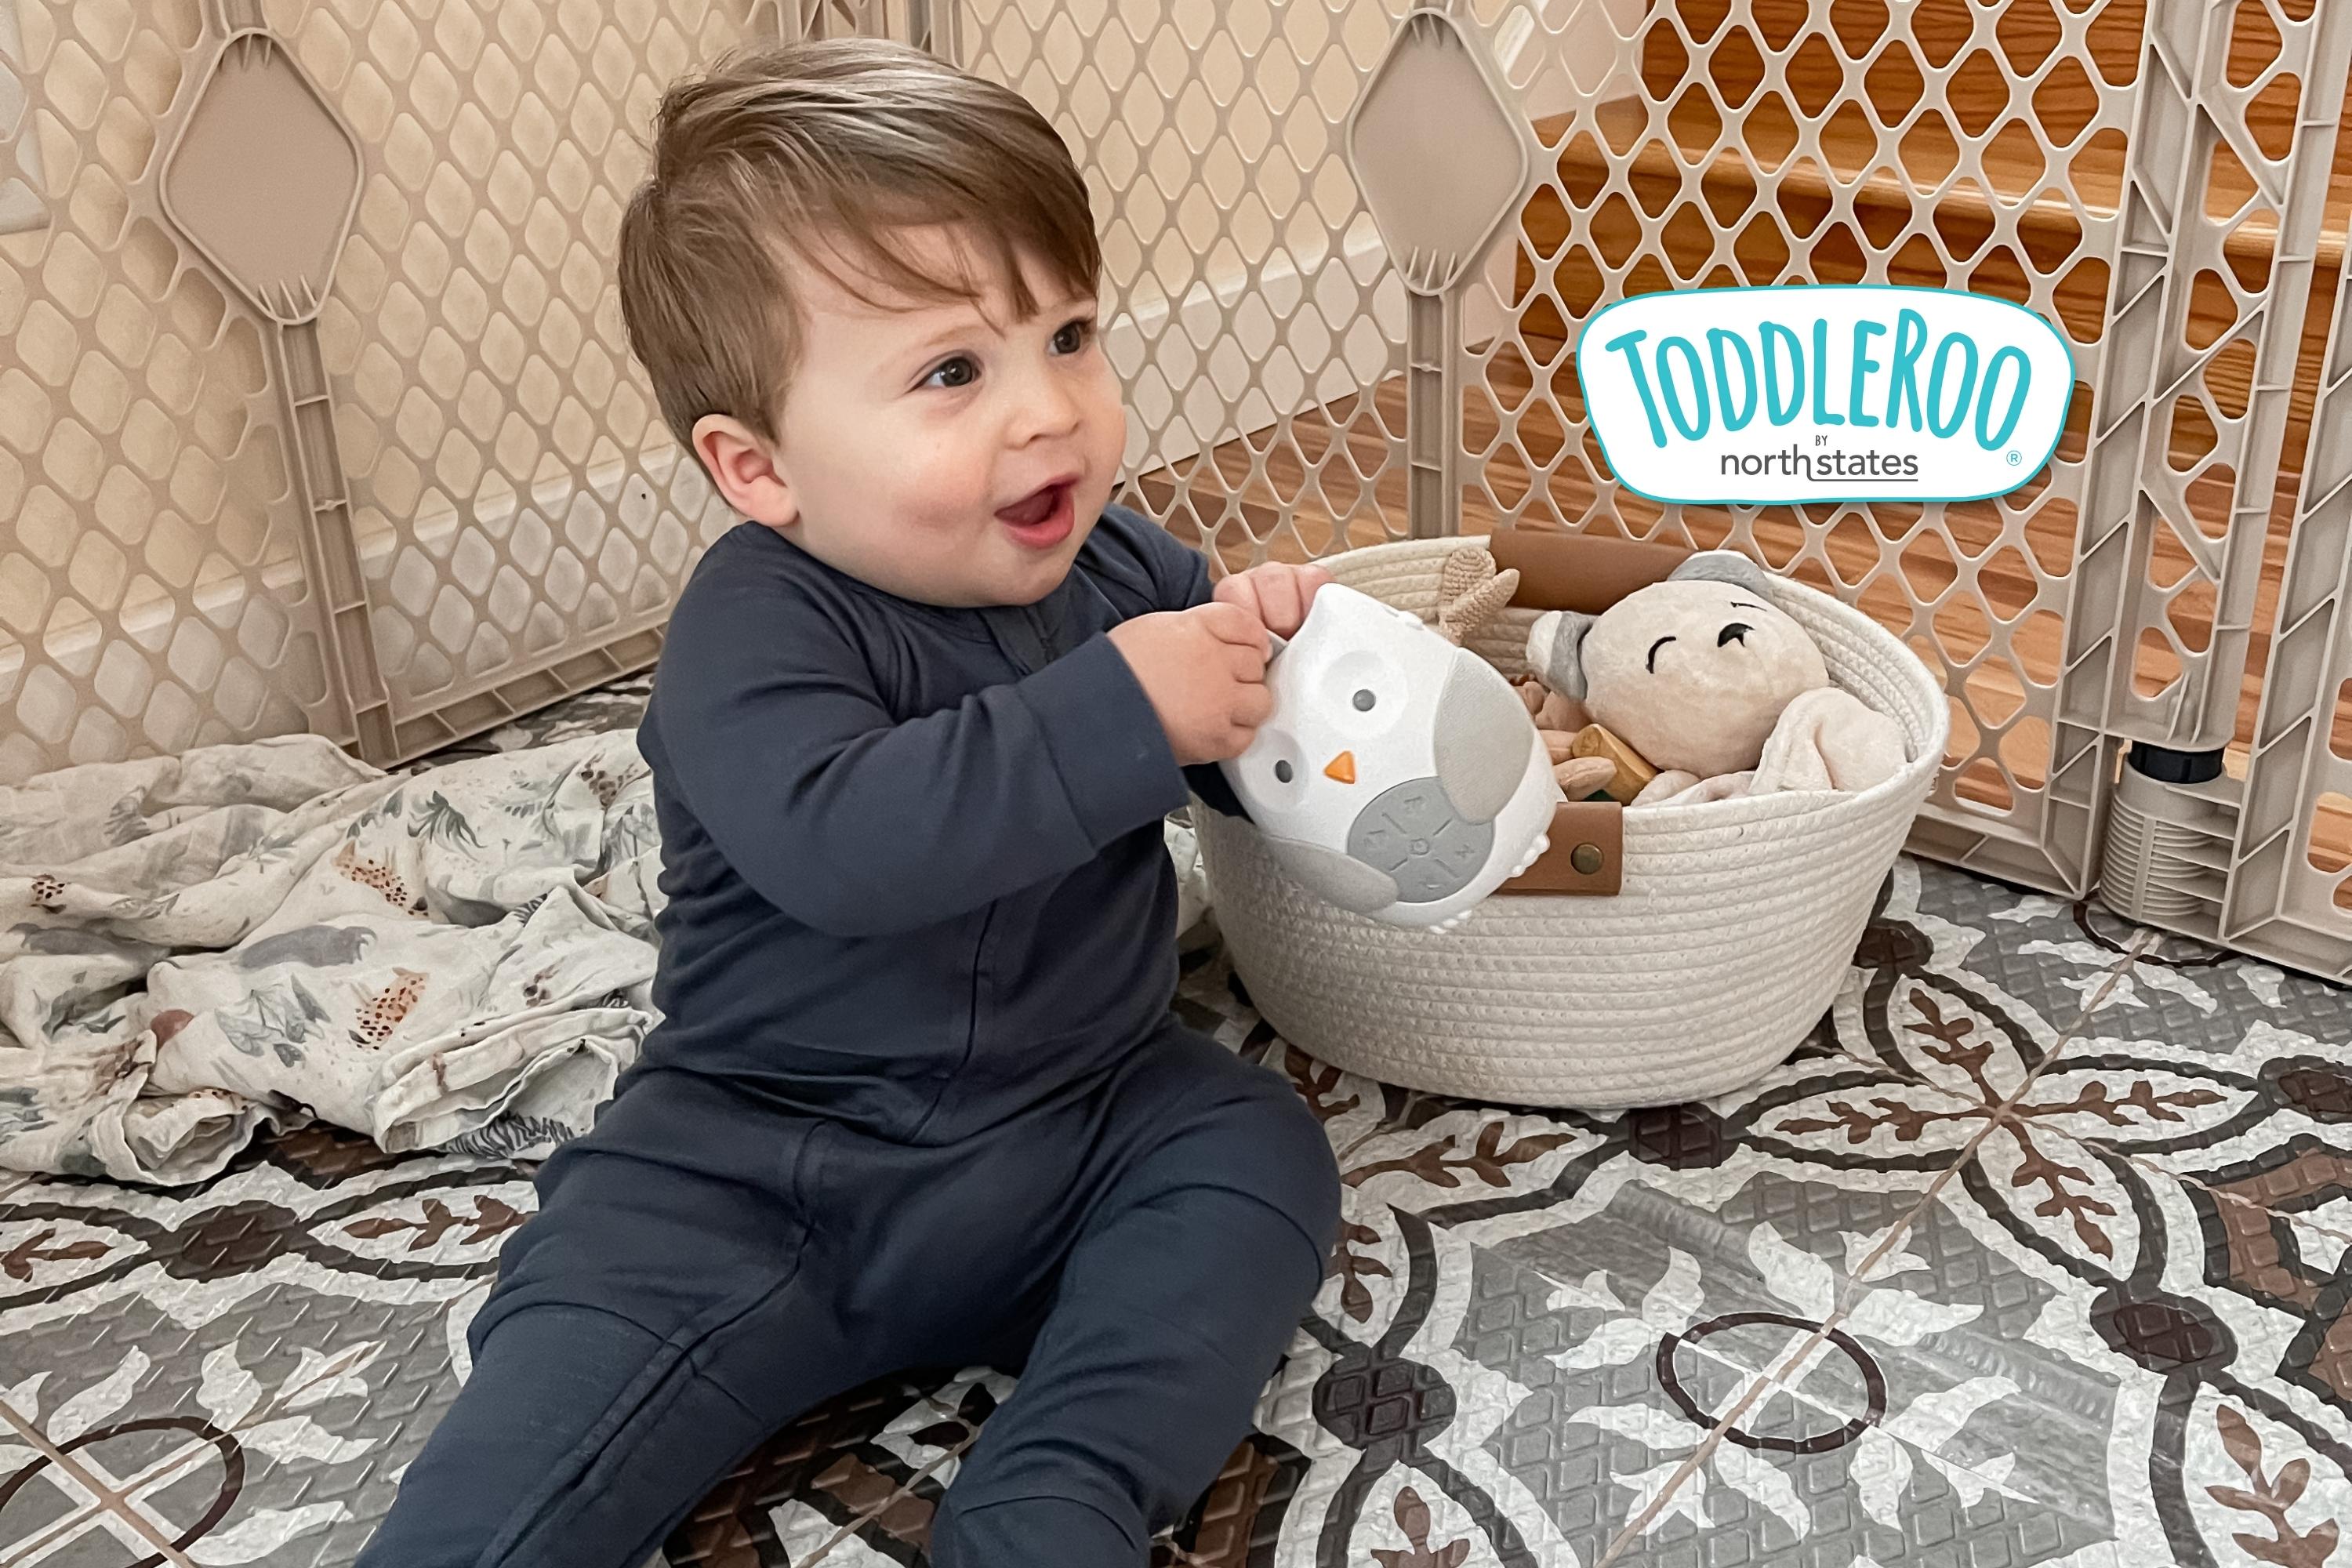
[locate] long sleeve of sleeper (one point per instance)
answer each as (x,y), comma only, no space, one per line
(1179,581)
(857,825)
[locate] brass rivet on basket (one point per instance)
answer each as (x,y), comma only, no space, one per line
(1586,858)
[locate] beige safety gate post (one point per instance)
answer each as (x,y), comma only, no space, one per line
(931,24)
(261,177)
(928,25)
(2242,863)
(836,18)
(2284,899)
(1439,201)
(2189,847)
(2207,178)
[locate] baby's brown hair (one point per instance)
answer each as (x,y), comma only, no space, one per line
(823,154)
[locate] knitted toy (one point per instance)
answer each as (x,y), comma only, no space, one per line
(1703,679)
(1470,593)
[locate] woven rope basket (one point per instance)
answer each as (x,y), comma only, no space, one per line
(1733,931)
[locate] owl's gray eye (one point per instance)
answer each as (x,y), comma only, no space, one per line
(1282,772)
(1363,701)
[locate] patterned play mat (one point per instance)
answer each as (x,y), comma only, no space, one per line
(2037,1253)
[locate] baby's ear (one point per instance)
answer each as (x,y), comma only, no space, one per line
(744,470)
(1722,566)
(1556,651)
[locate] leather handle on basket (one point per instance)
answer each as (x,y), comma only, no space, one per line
(1579,571)
(1589,572)
(1587,855)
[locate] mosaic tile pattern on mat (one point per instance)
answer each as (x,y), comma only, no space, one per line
(2210,1330)
(2036,1190)
(2228,1073)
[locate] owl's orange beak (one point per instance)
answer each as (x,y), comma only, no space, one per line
(1343,768)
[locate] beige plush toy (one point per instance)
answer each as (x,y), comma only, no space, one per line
(1717,687)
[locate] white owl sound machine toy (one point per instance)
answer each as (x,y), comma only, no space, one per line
(1400,776)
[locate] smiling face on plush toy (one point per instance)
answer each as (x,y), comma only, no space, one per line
(1692,672)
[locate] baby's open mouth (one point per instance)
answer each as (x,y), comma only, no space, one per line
(1041,519)
(1036,506)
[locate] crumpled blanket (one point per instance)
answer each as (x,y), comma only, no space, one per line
(193,948)
(1825,739)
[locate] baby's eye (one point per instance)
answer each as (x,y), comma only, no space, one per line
(1073,337)
(958,371)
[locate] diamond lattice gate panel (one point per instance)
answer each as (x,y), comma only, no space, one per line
(2090,160)
(1771,142)
(320,411)
(358,445)
(522,520)
(151,594)
(1253,311)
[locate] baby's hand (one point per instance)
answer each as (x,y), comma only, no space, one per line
(1204,671)
(1277,593)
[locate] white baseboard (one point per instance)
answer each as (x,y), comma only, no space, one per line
(1157,350)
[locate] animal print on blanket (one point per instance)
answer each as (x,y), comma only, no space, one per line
(193,948)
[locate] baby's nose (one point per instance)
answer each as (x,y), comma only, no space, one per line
(1047,409)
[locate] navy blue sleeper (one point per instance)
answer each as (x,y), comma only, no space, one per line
(917,1099)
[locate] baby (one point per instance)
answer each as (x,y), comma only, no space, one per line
(917,1101)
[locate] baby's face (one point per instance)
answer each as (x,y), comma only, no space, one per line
(950,453)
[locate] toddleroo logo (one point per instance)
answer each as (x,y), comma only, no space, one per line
(1830,391)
